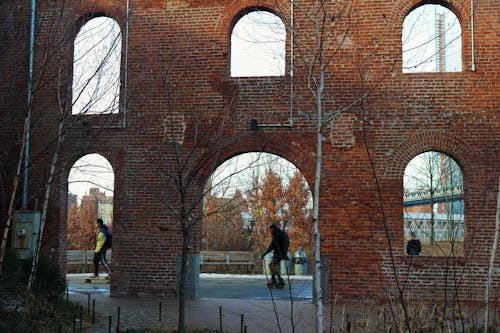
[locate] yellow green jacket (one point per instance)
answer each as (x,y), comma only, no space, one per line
(101,238)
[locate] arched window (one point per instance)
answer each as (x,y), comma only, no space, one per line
(434,205)
(90,196)
(96,67)
(258,45)
(431,40)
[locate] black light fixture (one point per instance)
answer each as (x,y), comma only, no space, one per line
(254,125)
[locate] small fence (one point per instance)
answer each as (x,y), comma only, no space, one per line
(82,260)
(444,231)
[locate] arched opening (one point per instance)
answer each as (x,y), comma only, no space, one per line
(434,205)
(431,40)
(90,196)
(258,45)
(245,195)
(96,67)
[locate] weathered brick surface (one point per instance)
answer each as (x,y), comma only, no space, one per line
(183,47)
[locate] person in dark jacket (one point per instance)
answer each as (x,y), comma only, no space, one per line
(100,249)
(279,247)
(413,247)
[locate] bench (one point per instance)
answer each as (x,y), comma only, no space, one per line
(227,258)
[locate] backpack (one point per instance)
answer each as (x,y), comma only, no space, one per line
(108,243)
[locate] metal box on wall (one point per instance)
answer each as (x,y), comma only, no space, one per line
(25,233)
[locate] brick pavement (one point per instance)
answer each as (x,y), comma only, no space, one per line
(258,315)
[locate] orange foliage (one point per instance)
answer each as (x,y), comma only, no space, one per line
(270,202)
(267,202)
(222,224)
(81,226)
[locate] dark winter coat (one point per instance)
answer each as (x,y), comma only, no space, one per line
(413,247)
(279,245)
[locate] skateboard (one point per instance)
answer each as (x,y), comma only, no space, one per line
(274,286)
(99,278)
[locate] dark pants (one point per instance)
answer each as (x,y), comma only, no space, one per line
(101,257)
(274,266)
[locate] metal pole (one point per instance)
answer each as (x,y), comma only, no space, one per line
(125,79)
(220,318)
(81,316)
(473,51)
(28,104)
(118,321)
(93,311)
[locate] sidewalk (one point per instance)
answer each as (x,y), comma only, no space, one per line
(258,313)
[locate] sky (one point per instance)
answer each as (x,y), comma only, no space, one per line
(91,170)
(239,171)
(419,40)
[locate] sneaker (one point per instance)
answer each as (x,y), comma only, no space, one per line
(272,283)
(280,283)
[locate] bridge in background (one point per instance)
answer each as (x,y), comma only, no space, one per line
(421,198)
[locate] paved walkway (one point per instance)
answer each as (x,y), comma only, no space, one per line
(260,314)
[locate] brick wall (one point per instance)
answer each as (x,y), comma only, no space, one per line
(178,65)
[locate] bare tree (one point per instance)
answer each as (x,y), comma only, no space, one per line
(491,265)
(196,145)
(317,35)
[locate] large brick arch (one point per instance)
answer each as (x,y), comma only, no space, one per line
(402,9)
(291,149)
(236,10)
(423,141)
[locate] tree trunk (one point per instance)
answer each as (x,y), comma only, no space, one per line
(432,221)
(317,243)
(186,230)
(48,187)
(492,261)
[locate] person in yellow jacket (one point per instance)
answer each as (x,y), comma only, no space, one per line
(100,249)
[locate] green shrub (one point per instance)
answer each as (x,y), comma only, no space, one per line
(49,281)
(44,310)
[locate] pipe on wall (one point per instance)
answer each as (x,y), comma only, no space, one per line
(473,52)
(28,104)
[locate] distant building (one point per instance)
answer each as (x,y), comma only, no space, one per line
(103,204)
(71,199)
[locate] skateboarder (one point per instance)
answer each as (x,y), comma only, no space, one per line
(279,246)
(100,250)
